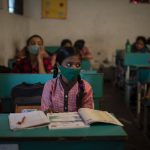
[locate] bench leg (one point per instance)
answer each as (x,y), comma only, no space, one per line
(145,119)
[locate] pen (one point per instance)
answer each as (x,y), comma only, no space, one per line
(22,120)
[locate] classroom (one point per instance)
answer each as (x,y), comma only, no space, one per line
(70,54)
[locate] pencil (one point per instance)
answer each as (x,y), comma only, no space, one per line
(22,120)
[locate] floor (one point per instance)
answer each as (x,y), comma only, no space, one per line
(113,101)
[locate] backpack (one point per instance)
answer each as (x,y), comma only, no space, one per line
(26,96)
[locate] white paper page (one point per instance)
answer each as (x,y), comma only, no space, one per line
(9,147)
(34,118)
(65,120)
(68,116)
(91,116)
(67,125)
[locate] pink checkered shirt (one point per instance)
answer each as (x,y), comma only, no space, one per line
(53,96)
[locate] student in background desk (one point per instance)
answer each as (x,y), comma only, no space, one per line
(66,43)
(85,53)
(139,46)
(36,59)
(147,97)
(148,43)
(67,92)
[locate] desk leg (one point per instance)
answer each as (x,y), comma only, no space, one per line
(145,118)
(138,100)
(127,94)
(127,76)
(127,86)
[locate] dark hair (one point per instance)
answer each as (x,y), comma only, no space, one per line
(62,54)
(79,44)
(33,36)
(148,41)
(64,42)
(141,38)
(66,52)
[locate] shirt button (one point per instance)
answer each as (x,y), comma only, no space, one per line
(65,108)
(66,96)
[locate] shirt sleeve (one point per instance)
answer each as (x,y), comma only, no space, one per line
(16,67)
(46,95)
(88,101)
(48,65)
(86,54)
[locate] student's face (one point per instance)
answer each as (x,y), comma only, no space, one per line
(139,44)
(73,62)
(34,45)
(36,41)
(68,45)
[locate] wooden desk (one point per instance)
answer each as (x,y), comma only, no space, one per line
(105,137)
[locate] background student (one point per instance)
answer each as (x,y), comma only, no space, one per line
(80,44)
(67,92)
(148,44)
(66,43)
(36,59)
(139,45)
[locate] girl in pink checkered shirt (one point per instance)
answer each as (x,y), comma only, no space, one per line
(67,92)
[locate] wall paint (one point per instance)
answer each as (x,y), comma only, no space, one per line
(104,24)
(14,31)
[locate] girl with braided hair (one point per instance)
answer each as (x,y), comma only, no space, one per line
(67,92)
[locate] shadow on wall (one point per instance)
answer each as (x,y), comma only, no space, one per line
(1,60)
(108,70)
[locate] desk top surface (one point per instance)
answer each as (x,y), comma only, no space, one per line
(101,131)
(137,59)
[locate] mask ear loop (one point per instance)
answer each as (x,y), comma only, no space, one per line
(55,72)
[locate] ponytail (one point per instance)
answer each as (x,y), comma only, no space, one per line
(55,71)
(80,93)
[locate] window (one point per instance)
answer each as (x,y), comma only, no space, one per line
(15,6)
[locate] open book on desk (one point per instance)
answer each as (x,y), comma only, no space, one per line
(32,119)
(91,116)
(81,119)
(65,120)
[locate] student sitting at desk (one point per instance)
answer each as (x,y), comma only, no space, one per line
(139,46)
(67,92)
(37,60)
(66,43)
(85,53)
(148,43)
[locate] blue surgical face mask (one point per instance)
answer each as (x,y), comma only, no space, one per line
(69,73)
(33,49)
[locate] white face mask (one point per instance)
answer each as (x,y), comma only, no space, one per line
(33,49)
